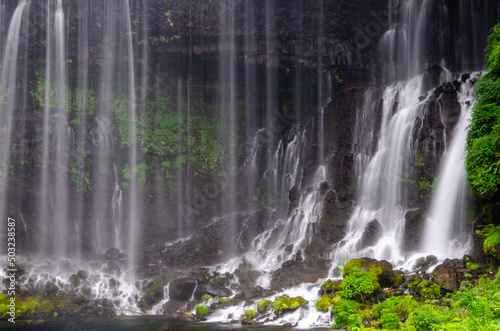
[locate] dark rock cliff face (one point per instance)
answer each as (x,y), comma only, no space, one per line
(341,37)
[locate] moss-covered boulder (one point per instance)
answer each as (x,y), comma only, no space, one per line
(74,280)
(249,315)
(382,270)
(491,244)
(447,279)
(82,274)
(263,305)
(153,294)
(211,288)
(284,303)
(330,286)
(398,280)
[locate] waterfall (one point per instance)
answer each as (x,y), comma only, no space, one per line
(382,193)
(53,205)
(139,124)
(446,233)
(117,211)
(8,99)
(228,88)
(134,210)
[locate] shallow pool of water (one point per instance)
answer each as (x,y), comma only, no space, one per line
(136,323)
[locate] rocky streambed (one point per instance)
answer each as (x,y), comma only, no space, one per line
(311,291)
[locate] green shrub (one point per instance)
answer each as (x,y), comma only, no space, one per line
(423,319)
(492,238)
(324,303)
(201,311)
(346,313)
(356,283)
(483,139)
(432,292)
(390,321)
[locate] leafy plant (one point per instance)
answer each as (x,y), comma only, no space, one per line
(324,303)
(483,140)
(356,283)
(201,311)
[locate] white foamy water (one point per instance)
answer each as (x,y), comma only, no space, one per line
(446,232)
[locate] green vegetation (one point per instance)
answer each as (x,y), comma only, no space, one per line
(26,306)
(491,244)
(249,315)
(429,291)
(473,307)
(356,283)
(284,303)
(324,303)
(81,179)
(483,140)
(171,133)
(263,304)
(226,300)
(4,94)
(471,265)
(201,311)
(78,102)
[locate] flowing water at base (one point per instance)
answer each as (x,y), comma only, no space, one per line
(144,323)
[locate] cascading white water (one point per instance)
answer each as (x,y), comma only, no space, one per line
(134,209)
(117,212)
(8,99)
(381,190)
(444,234)
(229,112)
(53,206)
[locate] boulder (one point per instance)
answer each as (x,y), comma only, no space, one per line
(153,294)
(423,263)
(253,293)
(82,274)
(112,254)
(453,264)
(182,289)
(293,273)
(431,77)
(316,248)
(373,232)
(414,227)
(382,269)
(200,272)
(214,289)
(174,308)
(330,287)
(74,280)
(284,304)
(447,279)
(51,288)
